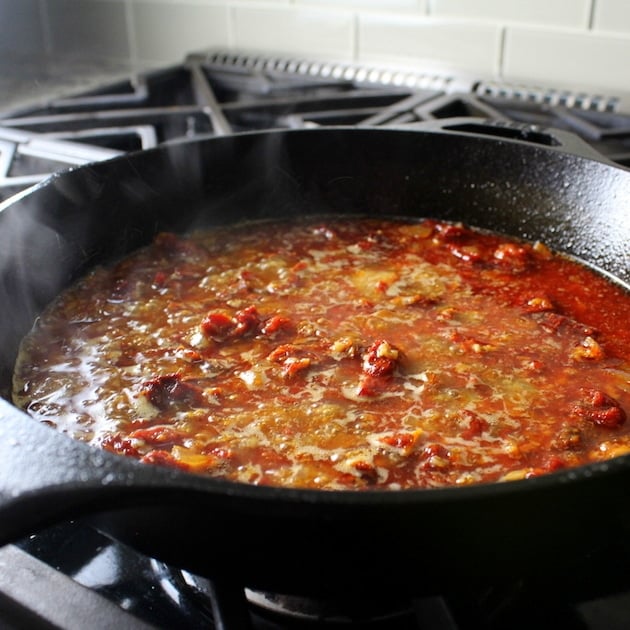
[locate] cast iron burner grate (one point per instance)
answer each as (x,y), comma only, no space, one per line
(145,593)
(217,94)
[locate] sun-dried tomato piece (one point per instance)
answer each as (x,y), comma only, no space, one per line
(157,435)
(435,457)
(474,423)
(513,255)
(163,458)
(539,304)
(550,464)
(220,326)
(293,359)
(467,253)
(116,443)
(450,231)
(403,442)
(164,390)
(568,438)
(281,353)
(275,324)
(245,321)
(217,324)
(599,408)
(380,359)
(400,440)
(555,322)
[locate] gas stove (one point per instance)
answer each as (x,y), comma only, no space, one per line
(71,576)
(217,93)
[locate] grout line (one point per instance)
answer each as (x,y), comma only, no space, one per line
(44,20)
(591,16)
(131,34)
(501,60)
(231,26)
(355,37)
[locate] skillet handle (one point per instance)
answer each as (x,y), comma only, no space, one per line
(548,137)
(47,477)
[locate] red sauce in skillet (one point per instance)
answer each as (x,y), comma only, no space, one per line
(339,354)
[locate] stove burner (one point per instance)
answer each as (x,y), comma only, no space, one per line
(331,611)
(236,608)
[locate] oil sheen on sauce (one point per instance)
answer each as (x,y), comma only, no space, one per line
(338,354)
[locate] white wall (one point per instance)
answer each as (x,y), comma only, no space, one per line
(573,44)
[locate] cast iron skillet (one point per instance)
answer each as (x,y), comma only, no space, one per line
(295,541)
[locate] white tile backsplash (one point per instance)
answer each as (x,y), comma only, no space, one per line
(166,31)
(570,13)
(300,31)
(570,59)
(440,44)
(95,28)
(21,27)
(568,44)
(612,15)
(383,5)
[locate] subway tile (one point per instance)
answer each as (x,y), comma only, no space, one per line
(21,27)
(383,5)
(612,15)
(168,31)
(309,32)
(439,44)
(567,59)
(95,28)
(569,13)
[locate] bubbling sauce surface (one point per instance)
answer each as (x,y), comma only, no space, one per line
(338,354)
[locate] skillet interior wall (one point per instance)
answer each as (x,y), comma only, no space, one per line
(98,213)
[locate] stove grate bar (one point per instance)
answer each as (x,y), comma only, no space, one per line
(205,95)
(553,97)
(145,133)
(455,105)
(349,72)
(401,111)
(327,118)
(139,94)
(15,143)
(34,595)
(103,116)
(30,143)
(409,77)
